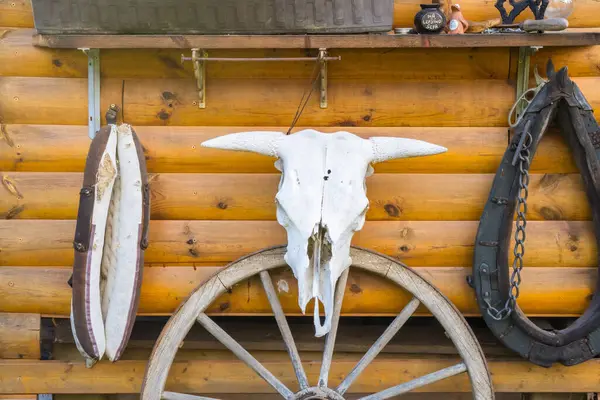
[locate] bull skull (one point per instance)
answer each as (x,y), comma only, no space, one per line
(321,199)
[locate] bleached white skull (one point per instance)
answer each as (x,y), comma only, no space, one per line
(322,199)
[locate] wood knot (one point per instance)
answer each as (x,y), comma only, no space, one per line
(222,205)
(354,288)
(391,210)
(9,185)
(14,212)
(163,115)
(550,214)
(347,122)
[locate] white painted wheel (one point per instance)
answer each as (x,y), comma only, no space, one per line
(192,310)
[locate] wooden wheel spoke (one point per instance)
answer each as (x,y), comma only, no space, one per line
(242,354)
(284,328)
(335,319)
(379,344)
(181,396)
(418,382)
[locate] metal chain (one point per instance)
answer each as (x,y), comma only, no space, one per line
(519,249)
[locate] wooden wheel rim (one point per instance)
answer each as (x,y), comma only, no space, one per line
(442,309)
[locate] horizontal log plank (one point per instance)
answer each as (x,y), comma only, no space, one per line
(546,291)
(271,102)
(427,243)
(219,376)
(177,149)
(19,336)
(581,61)
(23,59)
(362,64)
(407,197)
(355,335)
(19,13)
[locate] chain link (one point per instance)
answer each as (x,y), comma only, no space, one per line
(520,236)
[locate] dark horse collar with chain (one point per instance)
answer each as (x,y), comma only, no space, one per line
(561,99)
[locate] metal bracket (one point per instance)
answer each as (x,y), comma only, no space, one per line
(200,74)
(200,57)
(323,77)
(523,69)
(93,90)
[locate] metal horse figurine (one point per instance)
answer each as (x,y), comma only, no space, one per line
(538,8)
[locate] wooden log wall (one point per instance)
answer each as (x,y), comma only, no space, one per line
(210,207)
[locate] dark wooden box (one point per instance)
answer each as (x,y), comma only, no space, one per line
(211,16)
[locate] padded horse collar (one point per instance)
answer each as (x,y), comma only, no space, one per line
(561,99)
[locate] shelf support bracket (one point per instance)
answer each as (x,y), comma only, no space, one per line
(93,56)
(198,57)
(323,77)
(523,69)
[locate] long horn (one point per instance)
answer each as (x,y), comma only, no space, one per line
(262,142)
(388,148)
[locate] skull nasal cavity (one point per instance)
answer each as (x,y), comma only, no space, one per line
(319,240)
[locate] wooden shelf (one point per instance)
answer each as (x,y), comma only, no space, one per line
(570,37)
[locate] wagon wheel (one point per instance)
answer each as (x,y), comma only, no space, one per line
(192,310)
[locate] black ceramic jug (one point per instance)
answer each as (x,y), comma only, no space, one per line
(430,19)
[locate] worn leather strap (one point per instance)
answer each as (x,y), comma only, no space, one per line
(84,233)
(562,101)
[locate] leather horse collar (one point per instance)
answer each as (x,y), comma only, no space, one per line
(561,99)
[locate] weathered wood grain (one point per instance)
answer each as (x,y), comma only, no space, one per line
(223,375)
(426,243)
(19,336)
(546,291)
(569,37)
(365,64)
(177,149)
(416,197)
(270,102)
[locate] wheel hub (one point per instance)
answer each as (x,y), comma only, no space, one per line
(317,393)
